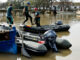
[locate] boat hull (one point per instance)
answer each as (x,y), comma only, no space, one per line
(60,43)
(32,47)
(42,29)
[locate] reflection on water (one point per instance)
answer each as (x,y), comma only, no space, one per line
(52,55)
(73,35)
(64,53)
(60,34)
(6,56)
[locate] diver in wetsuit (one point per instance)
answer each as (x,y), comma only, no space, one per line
(37,17)
(9,15)
(54,11)
(26,13)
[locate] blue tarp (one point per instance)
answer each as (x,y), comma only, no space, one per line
(9,46)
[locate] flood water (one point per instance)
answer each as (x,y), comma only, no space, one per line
(73,35)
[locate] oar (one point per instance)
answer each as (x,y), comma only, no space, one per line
(23,51)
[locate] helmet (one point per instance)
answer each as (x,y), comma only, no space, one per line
(28,3)
(35,9)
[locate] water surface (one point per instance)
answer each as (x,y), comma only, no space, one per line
(73,35)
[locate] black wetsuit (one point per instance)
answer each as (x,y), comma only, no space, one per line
(54,11)
(26,13)
(37,19)
(9,15)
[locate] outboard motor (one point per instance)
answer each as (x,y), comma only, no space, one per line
(50,37)
(59,23)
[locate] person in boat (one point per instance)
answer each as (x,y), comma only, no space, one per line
(37,17)
(10,15)
(26,13)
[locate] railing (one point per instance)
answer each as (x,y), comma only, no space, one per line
(16,10)
(3,11)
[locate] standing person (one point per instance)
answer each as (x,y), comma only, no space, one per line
(54,10)
(26,13)
(37,17)
(9,15)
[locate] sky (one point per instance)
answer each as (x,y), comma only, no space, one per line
(3,0)
(76,0)
(6,0)
(73,0)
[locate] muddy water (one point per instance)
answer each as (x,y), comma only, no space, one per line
(73,35)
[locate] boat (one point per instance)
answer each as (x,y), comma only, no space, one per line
(7,39)
(31,47)
(60,43)
(9,43)
(57,27)
(47,38)
(63,43)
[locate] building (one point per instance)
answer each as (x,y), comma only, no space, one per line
(64,6)
(11,0)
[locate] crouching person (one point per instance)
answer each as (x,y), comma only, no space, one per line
(37,17)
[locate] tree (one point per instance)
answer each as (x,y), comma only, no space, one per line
(65,4)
